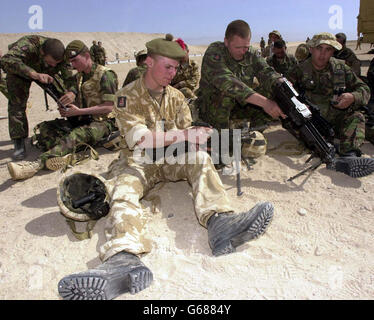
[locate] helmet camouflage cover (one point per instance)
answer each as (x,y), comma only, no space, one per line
(82,197)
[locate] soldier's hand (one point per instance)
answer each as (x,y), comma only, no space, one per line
(345,100)
(199,135)
(67,98)
(272,109)
(71,111)
(41,77)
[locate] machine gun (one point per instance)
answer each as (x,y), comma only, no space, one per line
(305,122)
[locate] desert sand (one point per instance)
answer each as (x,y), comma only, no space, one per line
(318,246)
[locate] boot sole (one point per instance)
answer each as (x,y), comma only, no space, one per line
(256,229)
(99,286)
(355,167)
(57,163)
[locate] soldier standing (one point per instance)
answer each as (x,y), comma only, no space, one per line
(273,36)
(93,51)
(262,46)
(147,111)
(31,58)
(89,124)
(101,54)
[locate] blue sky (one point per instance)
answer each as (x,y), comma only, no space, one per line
(196,21)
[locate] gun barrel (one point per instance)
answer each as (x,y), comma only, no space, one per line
(82,201)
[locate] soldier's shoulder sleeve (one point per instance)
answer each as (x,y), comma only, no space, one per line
(359,89)
(109,85)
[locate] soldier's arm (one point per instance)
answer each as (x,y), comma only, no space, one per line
(14,61)
(357,88)
(193,79)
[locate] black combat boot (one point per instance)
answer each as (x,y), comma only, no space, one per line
(353,165)
(227,231)
(19,149)
(121,273)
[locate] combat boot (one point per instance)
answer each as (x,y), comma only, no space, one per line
(57,163)
(19,149)
(24,170)
(353,166)
(121,273)
(226,231)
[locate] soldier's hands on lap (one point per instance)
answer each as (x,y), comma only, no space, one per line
(199,135)
(345,100)
(70,111)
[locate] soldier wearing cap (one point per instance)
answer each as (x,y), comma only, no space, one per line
(93,51)
(100,54)
(152,114)
(140,68)
(331,85)
(273,36)
(281,61)
(89,121)
(302,52)
(347,54)
(31,58)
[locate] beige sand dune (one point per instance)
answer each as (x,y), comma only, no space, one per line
(326,253)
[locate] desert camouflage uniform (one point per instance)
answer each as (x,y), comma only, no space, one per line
(350,59)
(23,57)
(318,87)
(282,66)
(59,137)
(187,79)
(134,73)
(130,180)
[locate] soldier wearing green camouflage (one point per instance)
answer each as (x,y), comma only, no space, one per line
(31,58)
(281,61)
(332,86)
(93,120)
(369,129)
(93,51)
(141,67)
(226,85)
(100,54)
(187,77)
(347,54)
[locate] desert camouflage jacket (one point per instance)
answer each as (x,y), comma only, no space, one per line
(136,112)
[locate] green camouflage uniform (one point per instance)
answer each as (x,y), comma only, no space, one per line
(100,55)
(187,79)
(93,52)
(3,86)
(225,85)
(350,59)
(134,73)
(60,136)
(369,130)
(23,57)
(318,86)
(137,113)
(282,66)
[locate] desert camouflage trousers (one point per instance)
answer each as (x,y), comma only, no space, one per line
(58,137)
(129,182)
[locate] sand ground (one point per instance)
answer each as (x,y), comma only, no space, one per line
(325,254)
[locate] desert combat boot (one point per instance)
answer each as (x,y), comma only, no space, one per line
(226,231)
(24,170)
